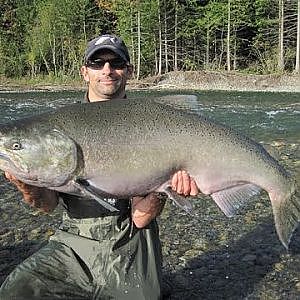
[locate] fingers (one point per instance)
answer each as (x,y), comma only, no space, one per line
(174,181)
(14,180)
(19,184)
(136,200)
(145,209)
(183,184)
(8,176)
(41,198)
(148,203)
(25,189)
(194,188)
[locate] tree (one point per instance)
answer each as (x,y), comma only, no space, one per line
(16,19)
(48,37)
(137,25)
(228,36)
(58,38)
(297,65)
(280,35)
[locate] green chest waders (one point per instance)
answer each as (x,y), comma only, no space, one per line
(95,254)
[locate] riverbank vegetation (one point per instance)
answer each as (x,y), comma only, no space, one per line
(45,39)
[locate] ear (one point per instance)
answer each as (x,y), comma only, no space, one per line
(84,73)
(129,71)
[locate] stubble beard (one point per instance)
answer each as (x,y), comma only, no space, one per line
(111,90)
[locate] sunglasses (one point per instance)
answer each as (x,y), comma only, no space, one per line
(115,63)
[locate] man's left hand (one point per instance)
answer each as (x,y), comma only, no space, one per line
(183,184)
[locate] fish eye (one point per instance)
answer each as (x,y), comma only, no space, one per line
(16,146)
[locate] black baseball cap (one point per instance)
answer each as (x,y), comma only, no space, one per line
(107,41)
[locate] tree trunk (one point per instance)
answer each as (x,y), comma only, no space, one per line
(280,63)
(53,50)
(159,40)
(139,45)
(228,37)
(133,59)
(297,68)
(234,50)
(45,62)
(156,59)
(221,50)
(175,35)
(63,55)
(207,48)
(166,39)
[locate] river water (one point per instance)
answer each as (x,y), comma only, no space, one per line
(207,256)
(263,116)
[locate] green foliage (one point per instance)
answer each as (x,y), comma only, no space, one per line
(48,37)
(266,63)
(134,17)
(16,19)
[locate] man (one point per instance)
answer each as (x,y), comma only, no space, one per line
(97,254)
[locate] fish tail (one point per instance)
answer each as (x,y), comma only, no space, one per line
(287,214)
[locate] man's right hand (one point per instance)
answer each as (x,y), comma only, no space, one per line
(38,197)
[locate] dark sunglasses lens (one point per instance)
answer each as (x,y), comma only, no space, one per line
(117,63)
(98,64)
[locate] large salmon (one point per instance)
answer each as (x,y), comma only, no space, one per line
(123,148)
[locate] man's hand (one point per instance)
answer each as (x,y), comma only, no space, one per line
(183,184)
(40,198)
(145,209)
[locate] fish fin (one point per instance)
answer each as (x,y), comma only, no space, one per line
(286,215)
(86,189)
(182,102)
(179,200)
(231,199)
(274,152)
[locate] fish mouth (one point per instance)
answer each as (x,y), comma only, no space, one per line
(9,165)
(12,168)
(7,159)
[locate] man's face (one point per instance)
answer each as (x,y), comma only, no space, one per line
(106,75)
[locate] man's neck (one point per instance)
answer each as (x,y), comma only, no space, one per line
(94,98)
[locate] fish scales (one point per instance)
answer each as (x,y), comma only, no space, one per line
(124,148)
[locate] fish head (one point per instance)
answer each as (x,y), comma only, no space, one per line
(37,156)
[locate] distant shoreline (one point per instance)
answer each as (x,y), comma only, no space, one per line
(222,81)
(188,80)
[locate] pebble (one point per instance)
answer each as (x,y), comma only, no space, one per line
(249,258)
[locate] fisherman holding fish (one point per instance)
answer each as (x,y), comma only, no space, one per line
(97,253)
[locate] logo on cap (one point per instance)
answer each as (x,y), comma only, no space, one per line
(104,39)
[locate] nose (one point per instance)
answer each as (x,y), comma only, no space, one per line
(107,69)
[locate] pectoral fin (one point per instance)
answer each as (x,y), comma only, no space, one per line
(88,190)
(179,200)
(231,199)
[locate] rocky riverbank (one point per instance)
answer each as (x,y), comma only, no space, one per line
(188,80)
(206,256)
(208,80)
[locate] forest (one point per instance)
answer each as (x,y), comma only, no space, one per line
(48,37)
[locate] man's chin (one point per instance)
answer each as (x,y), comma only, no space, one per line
(109,90)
